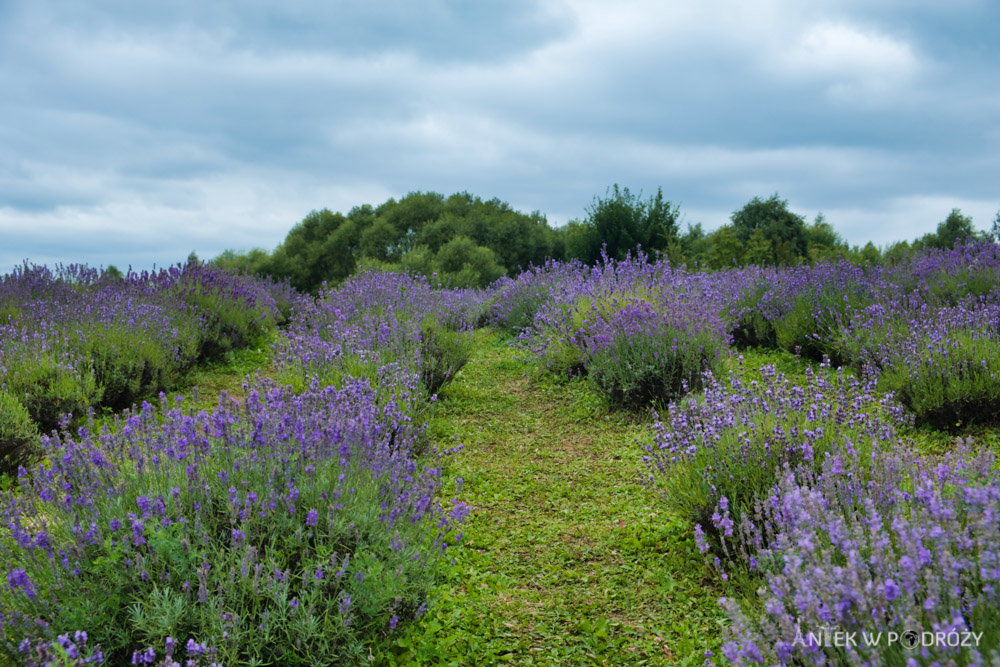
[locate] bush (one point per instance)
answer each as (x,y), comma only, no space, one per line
(49,388)
(443,353)
(751,326)
(291,530)
(233,311)
(18,436)
(731,446)
(635,371)
(911,546)
(941,363)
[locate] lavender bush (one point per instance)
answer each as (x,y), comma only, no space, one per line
(374,322)
(74,337)
(729,446)
(643,332)
(898,566)
(291,529)
(18,435)
(941,362)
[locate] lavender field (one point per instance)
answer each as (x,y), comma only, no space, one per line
(818,442)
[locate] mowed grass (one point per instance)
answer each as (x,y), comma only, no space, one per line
(566,559)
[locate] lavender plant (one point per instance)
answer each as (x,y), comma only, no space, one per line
(291,529)
(75,338)
(729,446)
(18,435)
(941,363)
(376,321)
(893,566)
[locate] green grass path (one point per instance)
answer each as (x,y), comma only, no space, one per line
(566,558)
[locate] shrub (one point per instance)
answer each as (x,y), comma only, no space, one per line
(76,338)
(130,363)
(290,530)
(18,435)
(733,442)
(233,311)
(50,388)
(751,326)
(941,363)
(910,548)
(637,370)
(443,353)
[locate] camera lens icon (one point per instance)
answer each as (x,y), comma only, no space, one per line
(909,639)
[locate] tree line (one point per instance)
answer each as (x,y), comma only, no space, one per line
(465,241)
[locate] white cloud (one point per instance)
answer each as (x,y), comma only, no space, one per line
(854,64)
(209,125)
(906,217)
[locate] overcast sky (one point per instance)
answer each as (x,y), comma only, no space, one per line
(136,132)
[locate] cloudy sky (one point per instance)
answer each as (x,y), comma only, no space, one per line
(136,132)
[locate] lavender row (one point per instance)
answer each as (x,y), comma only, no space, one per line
(300,526)
(75,338)
(825,523)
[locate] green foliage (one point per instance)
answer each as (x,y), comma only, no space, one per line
(780,236)
(897,252)
(252,262)
(813,320)
(637,371)
(226,323)
(950,389)
(751,327)
(49,389)
(128,366)
(422,232)
(461,263)
(956,227)
(726,250)
(18,436)
(583,241)
(195,579)
(621,221)
(743,460)
(443,352)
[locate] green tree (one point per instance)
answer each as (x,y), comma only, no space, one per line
(380,240)
(726,250)
(618,221)
(410,214)
(252,262)
(695,245)
(462,263)
(758,249)
(897,252)
(956,227)
(870,254)
(661,222)
(582,241)
(622,221)
(995,230)
(314,251)
(784,230)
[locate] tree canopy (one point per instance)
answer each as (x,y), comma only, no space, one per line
(465,241)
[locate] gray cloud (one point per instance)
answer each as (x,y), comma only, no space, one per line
(136,132)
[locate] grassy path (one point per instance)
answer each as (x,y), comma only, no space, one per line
(566,558)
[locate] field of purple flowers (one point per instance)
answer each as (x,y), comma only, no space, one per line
(308,522)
